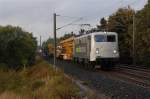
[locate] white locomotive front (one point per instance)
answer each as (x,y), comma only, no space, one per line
(98,48)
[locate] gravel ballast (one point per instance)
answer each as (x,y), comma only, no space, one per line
(113,88)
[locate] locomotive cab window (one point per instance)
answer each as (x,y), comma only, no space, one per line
(105,38)
(111,38)
(100,38)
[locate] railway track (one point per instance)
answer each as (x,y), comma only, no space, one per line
(135,75)
(112,83)
(134,80)
(119,75)
(138,68)
(140,74)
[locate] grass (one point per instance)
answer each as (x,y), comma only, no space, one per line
(40,81)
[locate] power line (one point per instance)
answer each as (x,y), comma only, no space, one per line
(120,2)
(82,24)
(69,23)
(121,5)
(68,16)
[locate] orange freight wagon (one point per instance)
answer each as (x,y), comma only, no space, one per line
(67,48)
(50,50)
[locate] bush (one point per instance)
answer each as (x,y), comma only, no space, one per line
(18,47)
(3,67)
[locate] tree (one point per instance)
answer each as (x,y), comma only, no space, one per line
(18,47)
(122,23)
(82,31)
(103,25)
(119,22)
(46,43)
(142,35)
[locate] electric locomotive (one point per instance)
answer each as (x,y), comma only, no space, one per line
(96,49)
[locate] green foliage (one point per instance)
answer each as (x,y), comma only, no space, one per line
(103,25)
(45,45)
(18,47)
(3,67)
(142,36)
(120,22)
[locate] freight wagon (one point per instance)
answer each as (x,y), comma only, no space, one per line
(65,49)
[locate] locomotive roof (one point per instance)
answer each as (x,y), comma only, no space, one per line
(108,33)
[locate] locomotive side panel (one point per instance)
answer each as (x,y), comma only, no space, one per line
(82,47)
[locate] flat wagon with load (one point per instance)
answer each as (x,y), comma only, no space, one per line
(65,49)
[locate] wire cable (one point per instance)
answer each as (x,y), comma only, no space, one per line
(69,16)
(70,23)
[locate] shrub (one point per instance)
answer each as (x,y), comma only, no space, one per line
(18,47)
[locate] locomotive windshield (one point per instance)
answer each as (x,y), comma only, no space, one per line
(100,38)
(105,38)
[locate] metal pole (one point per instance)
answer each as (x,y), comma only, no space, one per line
(54,39)
(40,42)
(133,44)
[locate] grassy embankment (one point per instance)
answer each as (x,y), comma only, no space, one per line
(40,81)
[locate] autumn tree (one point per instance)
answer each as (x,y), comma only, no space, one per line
(119,22)
(142,35)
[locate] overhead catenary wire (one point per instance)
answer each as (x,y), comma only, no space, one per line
(79,18)
(120,3)
(70,23)
(69,16)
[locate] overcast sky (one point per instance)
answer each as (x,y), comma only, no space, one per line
(37,15)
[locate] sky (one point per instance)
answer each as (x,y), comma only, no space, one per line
(36,16)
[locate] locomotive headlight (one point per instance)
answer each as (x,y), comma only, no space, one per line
(97,50)
(115,51)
